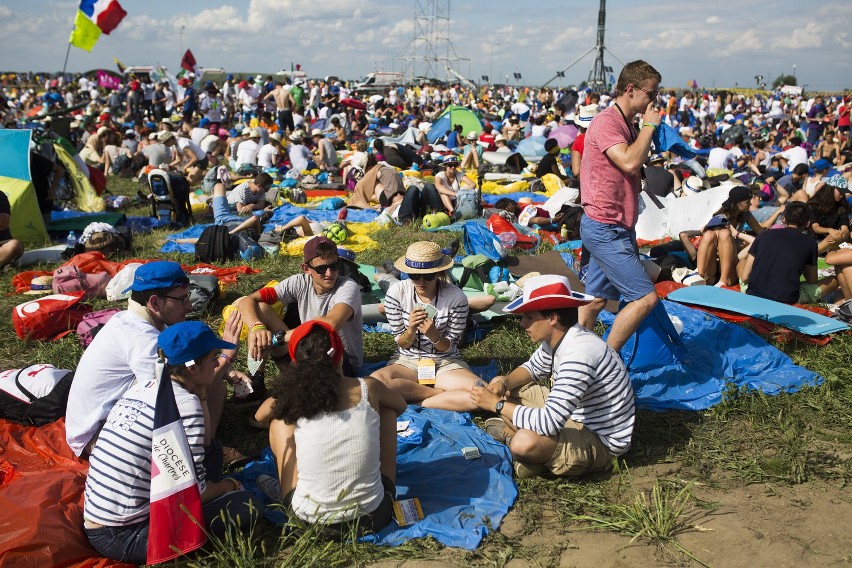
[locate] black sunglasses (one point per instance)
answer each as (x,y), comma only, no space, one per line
(428,277)
(184,300)
(322,268)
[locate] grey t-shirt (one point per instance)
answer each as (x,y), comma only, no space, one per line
(299,288)
(157,154)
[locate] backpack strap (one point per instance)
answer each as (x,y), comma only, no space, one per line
(21,387)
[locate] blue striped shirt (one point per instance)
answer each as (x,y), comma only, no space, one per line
(118,487)
(450,321)
(590,386)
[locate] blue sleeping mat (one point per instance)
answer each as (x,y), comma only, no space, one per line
(462,500)
(784,315)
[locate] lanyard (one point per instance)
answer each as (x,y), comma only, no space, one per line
(414,295)
(627,122)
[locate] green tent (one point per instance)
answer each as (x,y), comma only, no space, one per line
(452,115)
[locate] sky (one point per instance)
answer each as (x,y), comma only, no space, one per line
(723,43)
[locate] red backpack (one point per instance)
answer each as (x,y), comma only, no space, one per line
(49,317)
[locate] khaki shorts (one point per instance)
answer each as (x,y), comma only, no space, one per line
(578,451)
(441,365)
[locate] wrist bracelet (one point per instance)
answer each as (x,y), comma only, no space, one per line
(257,325)
(654,126)
(226,357)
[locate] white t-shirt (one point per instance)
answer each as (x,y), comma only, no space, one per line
(187,145)
(795,156)
(247,153)
(125,350)
(720,159)
(267,156)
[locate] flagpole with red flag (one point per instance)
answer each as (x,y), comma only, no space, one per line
(188,62)
(176,522)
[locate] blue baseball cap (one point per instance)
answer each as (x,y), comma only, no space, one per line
(203,122)
(188,341)
(159,274)
(821,165)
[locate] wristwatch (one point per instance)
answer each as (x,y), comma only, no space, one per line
(498,408)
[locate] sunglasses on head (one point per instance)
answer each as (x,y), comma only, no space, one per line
(323,268)
(427,277)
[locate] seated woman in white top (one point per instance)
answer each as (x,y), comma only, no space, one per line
(428,316)
(449,182)
(334,438)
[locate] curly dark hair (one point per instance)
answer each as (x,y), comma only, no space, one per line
(309,385)
(823,203)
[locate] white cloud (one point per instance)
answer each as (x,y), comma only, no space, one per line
(712,20)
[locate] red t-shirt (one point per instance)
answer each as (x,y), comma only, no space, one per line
(843,115)
(609,195)
(579,143)
(487,138)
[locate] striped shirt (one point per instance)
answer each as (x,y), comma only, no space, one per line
(590,386)
(243,195)
(118,487)
(450,321)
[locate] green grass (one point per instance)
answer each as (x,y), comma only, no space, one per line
(793,438)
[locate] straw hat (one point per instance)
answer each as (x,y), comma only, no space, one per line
(586,114)
(547,292)
(423,257)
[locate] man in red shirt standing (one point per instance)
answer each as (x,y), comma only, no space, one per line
(610,183)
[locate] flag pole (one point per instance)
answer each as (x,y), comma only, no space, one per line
(67,52)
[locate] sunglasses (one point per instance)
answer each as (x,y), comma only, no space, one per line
(428,277)
(323,268)
(652,94)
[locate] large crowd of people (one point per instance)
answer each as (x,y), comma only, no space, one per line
(568,411)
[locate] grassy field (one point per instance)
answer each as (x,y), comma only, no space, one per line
(792,440)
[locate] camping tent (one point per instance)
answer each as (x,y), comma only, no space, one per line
(454,114)
(15,181)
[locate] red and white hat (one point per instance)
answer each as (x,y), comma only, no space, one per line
(547,292)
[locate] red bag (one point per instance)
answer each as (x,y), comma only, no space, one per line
(68,279)
(497,224)
(49,317)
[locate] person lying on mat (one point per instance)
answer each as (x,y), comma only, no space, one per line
(116,506)
(570,409)
(428,316)
(334,439)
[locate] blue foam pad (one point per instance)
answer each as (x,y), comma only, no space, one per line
(784,315)
(462,500)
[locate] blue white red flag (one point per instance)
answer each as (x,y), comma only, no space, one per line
(176,521)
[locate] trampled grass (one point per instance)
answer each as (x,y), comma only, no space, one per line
(793,438)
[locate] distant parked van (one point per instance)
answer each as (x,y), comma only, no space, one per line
(379,83)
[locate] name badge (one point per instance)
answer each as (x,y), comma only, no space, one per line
(426,371)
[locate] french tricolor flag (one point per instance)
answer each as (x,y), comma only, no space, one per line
(93,18)
(175,495)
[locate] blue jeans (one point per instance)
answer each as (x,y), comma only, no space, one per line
(222,213)
(614,268)
(129,543)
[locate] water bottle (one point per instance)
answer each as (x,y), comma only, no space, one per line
(384,327)
(71,241)
(278,338)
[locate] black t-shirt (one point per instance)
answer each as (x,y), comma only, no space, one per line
(6,234)
(780,258)
(40,170)
(548,165)
(658,181)
(833,220)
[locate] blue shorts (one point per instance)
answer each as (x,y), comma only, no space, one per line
(614,269)
(222,214)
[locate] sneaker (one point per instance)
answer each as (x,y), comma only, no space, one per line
(496,428)
(270,486)
(527,470)
(233,457)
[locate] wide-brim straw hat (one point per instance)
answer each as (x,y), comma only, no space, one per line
(423,257)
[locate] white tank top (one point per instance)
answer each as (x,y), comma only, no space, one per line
(337,457)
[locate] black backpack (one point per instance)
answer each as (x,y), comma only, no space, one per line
(203,290)
(35,395)
(215,245)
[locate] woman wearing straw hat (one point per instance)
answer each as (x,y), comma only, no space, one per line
(428,316)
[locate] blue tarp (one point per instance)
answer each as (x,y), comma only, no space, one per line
(666,138)
(282,215)
(492,198)
(713,353)
(461,499)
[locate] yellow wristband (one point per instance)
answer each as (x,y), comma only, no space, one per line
(654,126)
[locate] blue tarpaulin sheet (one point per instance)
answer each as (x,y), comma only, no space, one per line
(713,354)
(462,500)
